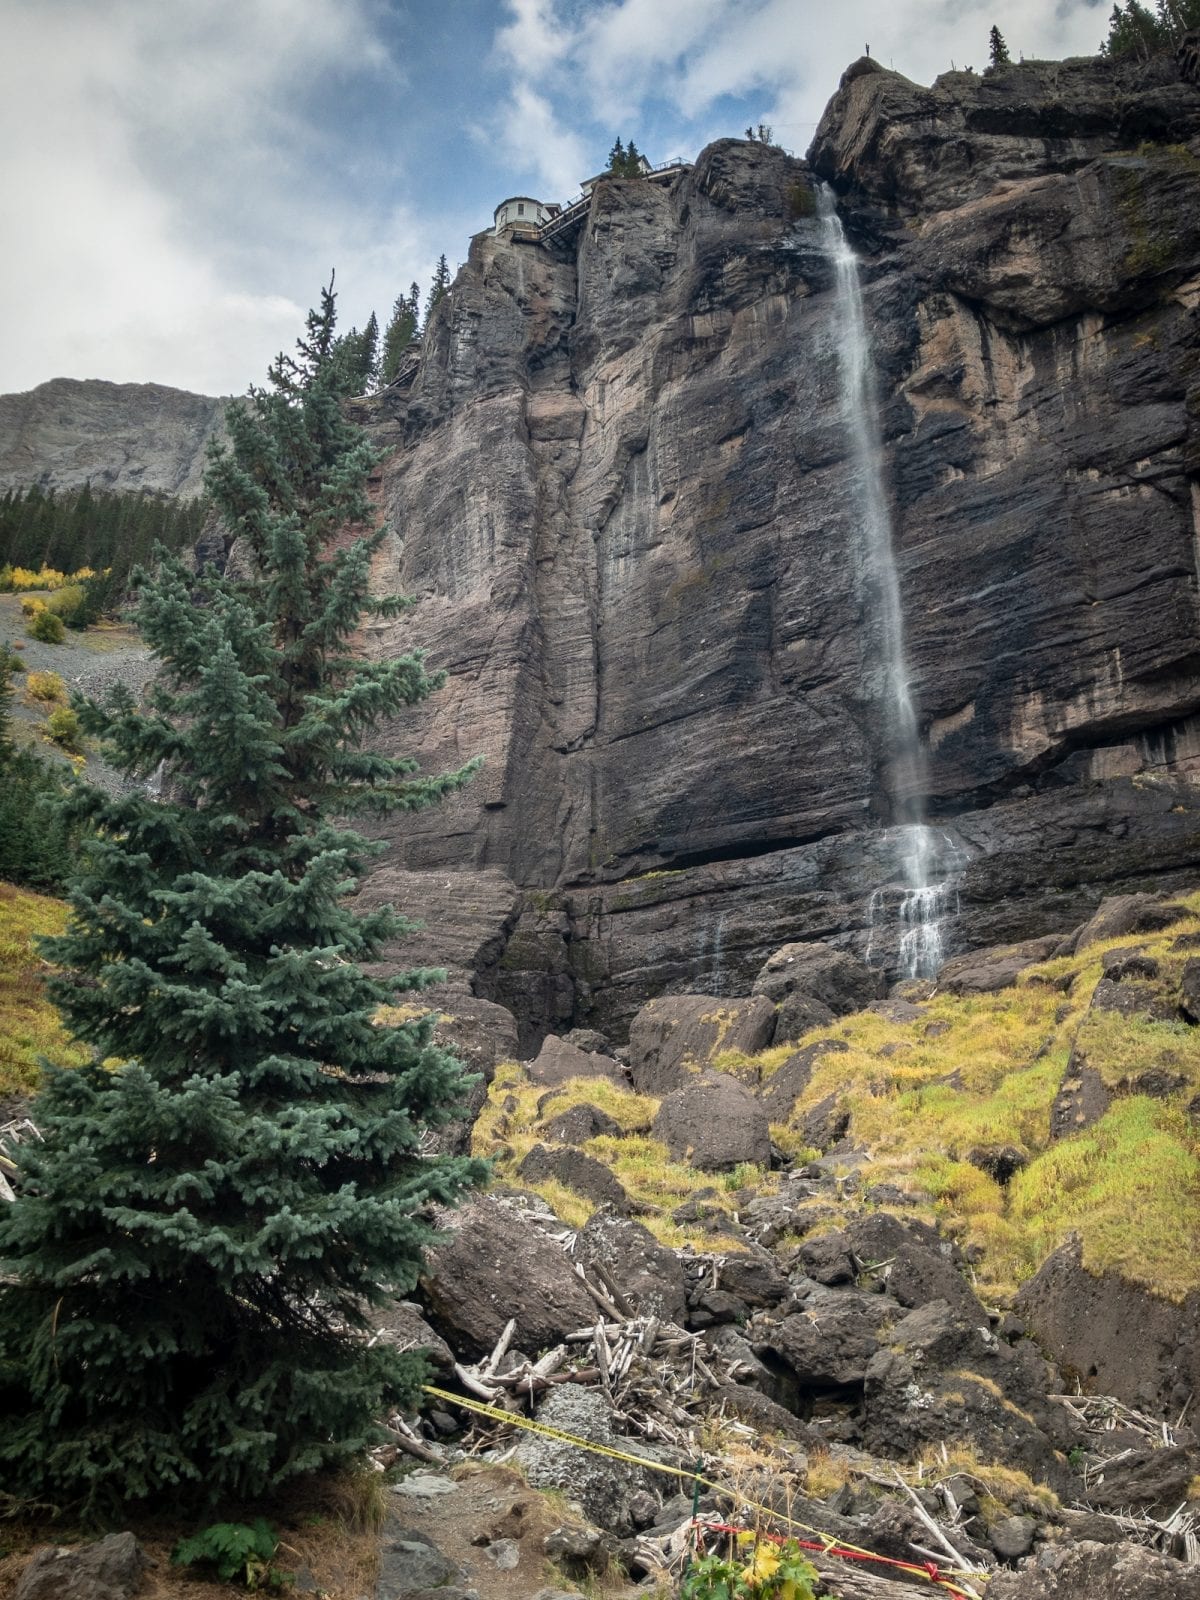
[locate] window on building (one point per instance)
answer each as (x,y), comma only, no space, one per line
(520,211)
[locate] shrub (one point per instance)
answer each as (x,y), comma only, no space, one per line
(32,604)
(45,685)
(63,727)
(235,1550)
(47,628)
(69,603)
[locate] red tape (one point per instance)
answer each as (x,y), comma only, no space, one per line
(929,1569)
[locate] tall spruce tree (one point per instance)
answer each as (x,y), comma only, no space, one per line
(403,327)
(187,1273)
(438,287)
(998,55)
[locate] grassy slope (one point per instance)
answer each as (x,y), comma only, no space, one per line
(922,1094)
(29,1027)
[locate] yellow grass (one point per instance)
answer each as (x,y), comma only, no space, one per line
(29,1026)
(984,1070)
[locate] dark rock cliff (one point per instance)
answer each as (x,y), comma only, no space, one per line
(619,484)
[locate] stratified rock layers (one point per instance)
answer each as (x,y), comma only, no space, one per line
(620,489)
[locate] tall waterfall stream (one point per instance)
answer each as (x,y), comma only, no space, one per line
(927,859)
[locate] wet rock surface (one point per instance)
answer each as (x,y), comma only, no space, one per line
(1005,223)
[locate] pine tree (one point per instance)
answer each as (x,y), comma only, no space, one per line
(616,157)
(1138,31)
(400,333)
(438,287)
(370,354)
(997,49)
(185,1277)
(360,354)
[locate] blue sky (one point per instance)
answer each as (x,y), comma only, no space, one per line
(178,176)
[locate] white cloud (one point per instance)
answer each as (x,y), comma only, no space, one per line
(617,58)
(167,191)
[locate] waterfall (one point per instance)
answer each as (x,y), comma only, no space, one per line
(927,859)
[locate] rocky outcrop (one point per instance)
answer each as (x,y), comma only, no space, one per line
(619,484)
(68,432)
(1113,1335)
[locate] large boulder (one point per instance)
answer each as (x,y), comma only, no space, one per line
(1119,914)
(939,1376)
(579,1123)
(999,967)
(558,1061)
(1093,1571)
(836,978)
(830,1344)
(584,1174)
(715,1124)
(647,1273)
(787,1083)
(602,1486)
(494,1265)
(673,1037)
(914,1263)
(110,1569)
(1114,1335)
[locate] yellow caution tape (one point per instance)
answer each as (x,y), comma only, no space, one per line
(531,1425)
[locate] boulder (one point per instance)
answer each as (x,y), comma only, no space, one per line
(1148,1480)
(603,1487)
(1012,1537)
(411,1565)
(578,1124)
(937,1376)
(110,1569)
(836,978)
(1082,1099)
(402,1325)
(715,1124)
(1094,1571)
(673,1037)
(558,1061)
(647,1273)
(826,1123)
(788,1082)
(1189,991)
(1129,998)
(766,1415)
(1119,1338)
(1119,914)
(754,1277)
(1001,1162)
(830,1343)
(494,1265)
(828,1259)
(987,971)
(583,1174)
(1123,964)
(797,1014)
(913,1263)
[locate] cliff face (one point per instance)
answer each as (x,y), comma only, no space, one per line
(620,484)
(67,432)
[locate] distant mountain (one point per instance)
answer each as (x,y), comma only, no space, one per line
(69,432)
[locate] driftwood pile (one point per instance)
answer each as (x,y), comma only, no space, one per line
(12,1134)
